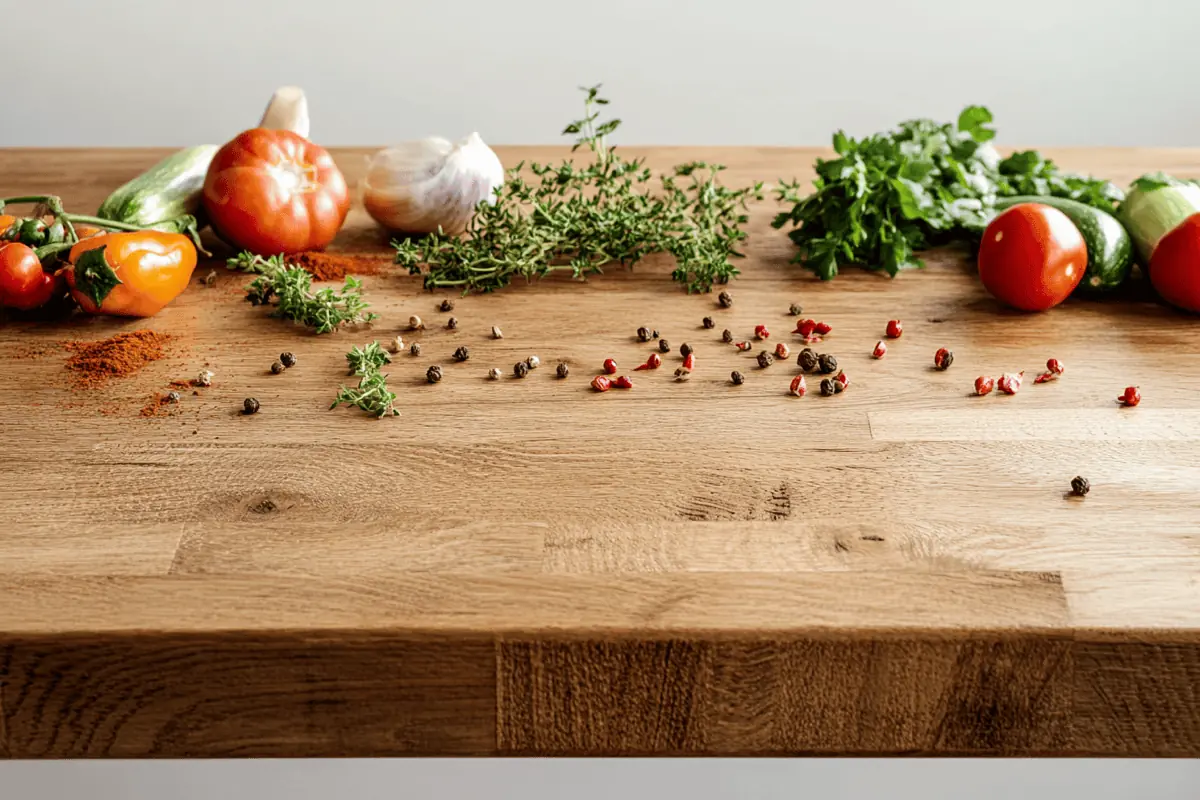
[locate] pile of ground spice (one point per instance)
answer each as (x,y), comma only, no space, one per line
(93,364)
(159,406)
(336,266)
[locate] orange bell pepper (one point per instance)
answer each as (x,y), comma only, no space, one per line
(130,274)
(6,224)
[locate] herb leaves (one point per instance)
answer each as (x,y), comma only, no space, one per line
(580,218)
(372,393)
(921,185)
(291,288)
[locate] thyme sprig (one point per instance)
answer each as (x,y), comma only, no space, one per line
(580,218)
(372,393)
(291,288)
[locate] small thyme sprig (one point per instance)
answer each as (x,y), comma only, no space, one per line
(291,287)
(583,217)
(372,393)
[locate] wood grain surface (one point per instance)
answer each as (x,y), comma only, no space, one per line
(527,567)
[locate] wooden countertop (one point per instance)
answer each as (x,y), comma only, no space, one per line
(526,567)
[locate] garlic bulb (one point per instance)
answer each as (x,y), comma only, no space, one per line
(287,111)
(416,187)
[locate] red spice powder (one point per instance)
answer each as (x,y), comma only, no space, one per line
(159,407)
(336,266)
(93,364)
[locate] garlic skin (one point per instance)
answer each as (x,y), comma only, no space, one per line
(417,187)
(287,111)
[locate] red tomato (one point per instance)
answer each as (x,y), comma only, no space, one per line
(23,282)
(275,192)
(1175,265)
(1032,257)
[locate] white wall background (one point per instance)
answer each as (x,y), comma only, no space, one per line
(778,72)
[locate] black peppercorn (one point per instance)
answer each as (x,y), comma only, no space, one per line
(562,370)
(664,346)
(520,369)
(172,397)
(829,387)
(737,378)
(826,363)
(795,310)
(838,386)
(725,299)
(708,322)
(433,374)
(250,406)
(452,323)
(643,334)
(942,359)
(287,359)
(765,359)
(277,367)
(727,336)
(685,349)
(654,335)
(462,353)
(807,359)
(1080,486)
(415,349)
(447,305)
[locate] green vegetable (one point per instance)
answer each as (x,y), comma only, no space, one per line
(925,184)
(1154,207)
(581,217)
(372,394)
(1110,251)
(291,288)
(170,188)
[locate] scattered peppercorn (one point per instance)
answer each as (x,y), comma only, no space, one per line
(452,323)
(652,362)
(643,334)
(782,351)
(171,397)
(737,378)
(415,323)
(1055,366)
(761,332)
(725,299)
(533,362)
(601,384)
(984,385)
(1131,397)
(822,328)
(689,362)
(562,370)
(205,378)
(827,363)
(496,334)
(433,374)
(880,349)
(664,346)
(682,374)
(708,322)
(685,349)
(744,346)
(727,336)
(250,406)
(795,310)
(462,353)
(288,359)
(894,329)
(276,367)
(415,349)
(610,366)
(838,386)
(494,373)
(799,386)
(943,358)
(1009,383)
(397,344)
(520,369)
(842,380)
(1080,486)
(654,335)
(447,305)
(805,327)
(623,382)
(765,359)
(828,387)
(808,360)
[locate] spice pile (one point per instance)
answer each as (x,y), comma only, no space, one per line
(93,364)
(335,266)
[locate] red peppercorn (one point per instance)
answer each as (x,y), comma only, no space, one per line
(894,329)
(880,349)
(1055,366)
(798,387)
(782,350)
(842,379)
(623,382)
(743,346)
(984,385)
(822,328)
(689,362)
(1009,383)
(943,358)
(653,362)
(601,383)
(1131,397)
(761,332)
(610,366)
(805,327)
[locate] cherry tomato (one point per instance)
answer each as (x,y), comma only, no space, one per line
(130,274)
(1032,257)
(274,192)
(23,282)
(1175,265)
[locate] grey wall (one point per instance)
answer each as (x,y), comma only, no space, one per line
(166,72)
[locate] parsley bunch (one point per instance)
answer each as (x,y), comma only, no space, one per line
(372,393)
(291,287)
(921,185)
(583,217)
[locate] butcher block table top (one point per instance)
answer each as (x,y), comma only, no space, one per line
(529,567)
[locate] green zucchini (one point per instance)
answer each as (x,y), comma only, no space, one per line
(170,188)
(1109,248)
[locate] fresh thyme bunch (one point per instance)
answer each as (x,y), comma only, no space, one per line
(291,287)
(583,217)
(372,393)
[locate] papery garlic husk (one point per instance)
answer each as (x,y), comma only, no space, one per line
(287,111)
(417,187)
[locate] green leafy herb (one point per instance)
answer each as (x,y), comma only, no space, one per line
(372,393)
(580,218)
(924,184)
(291,288)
